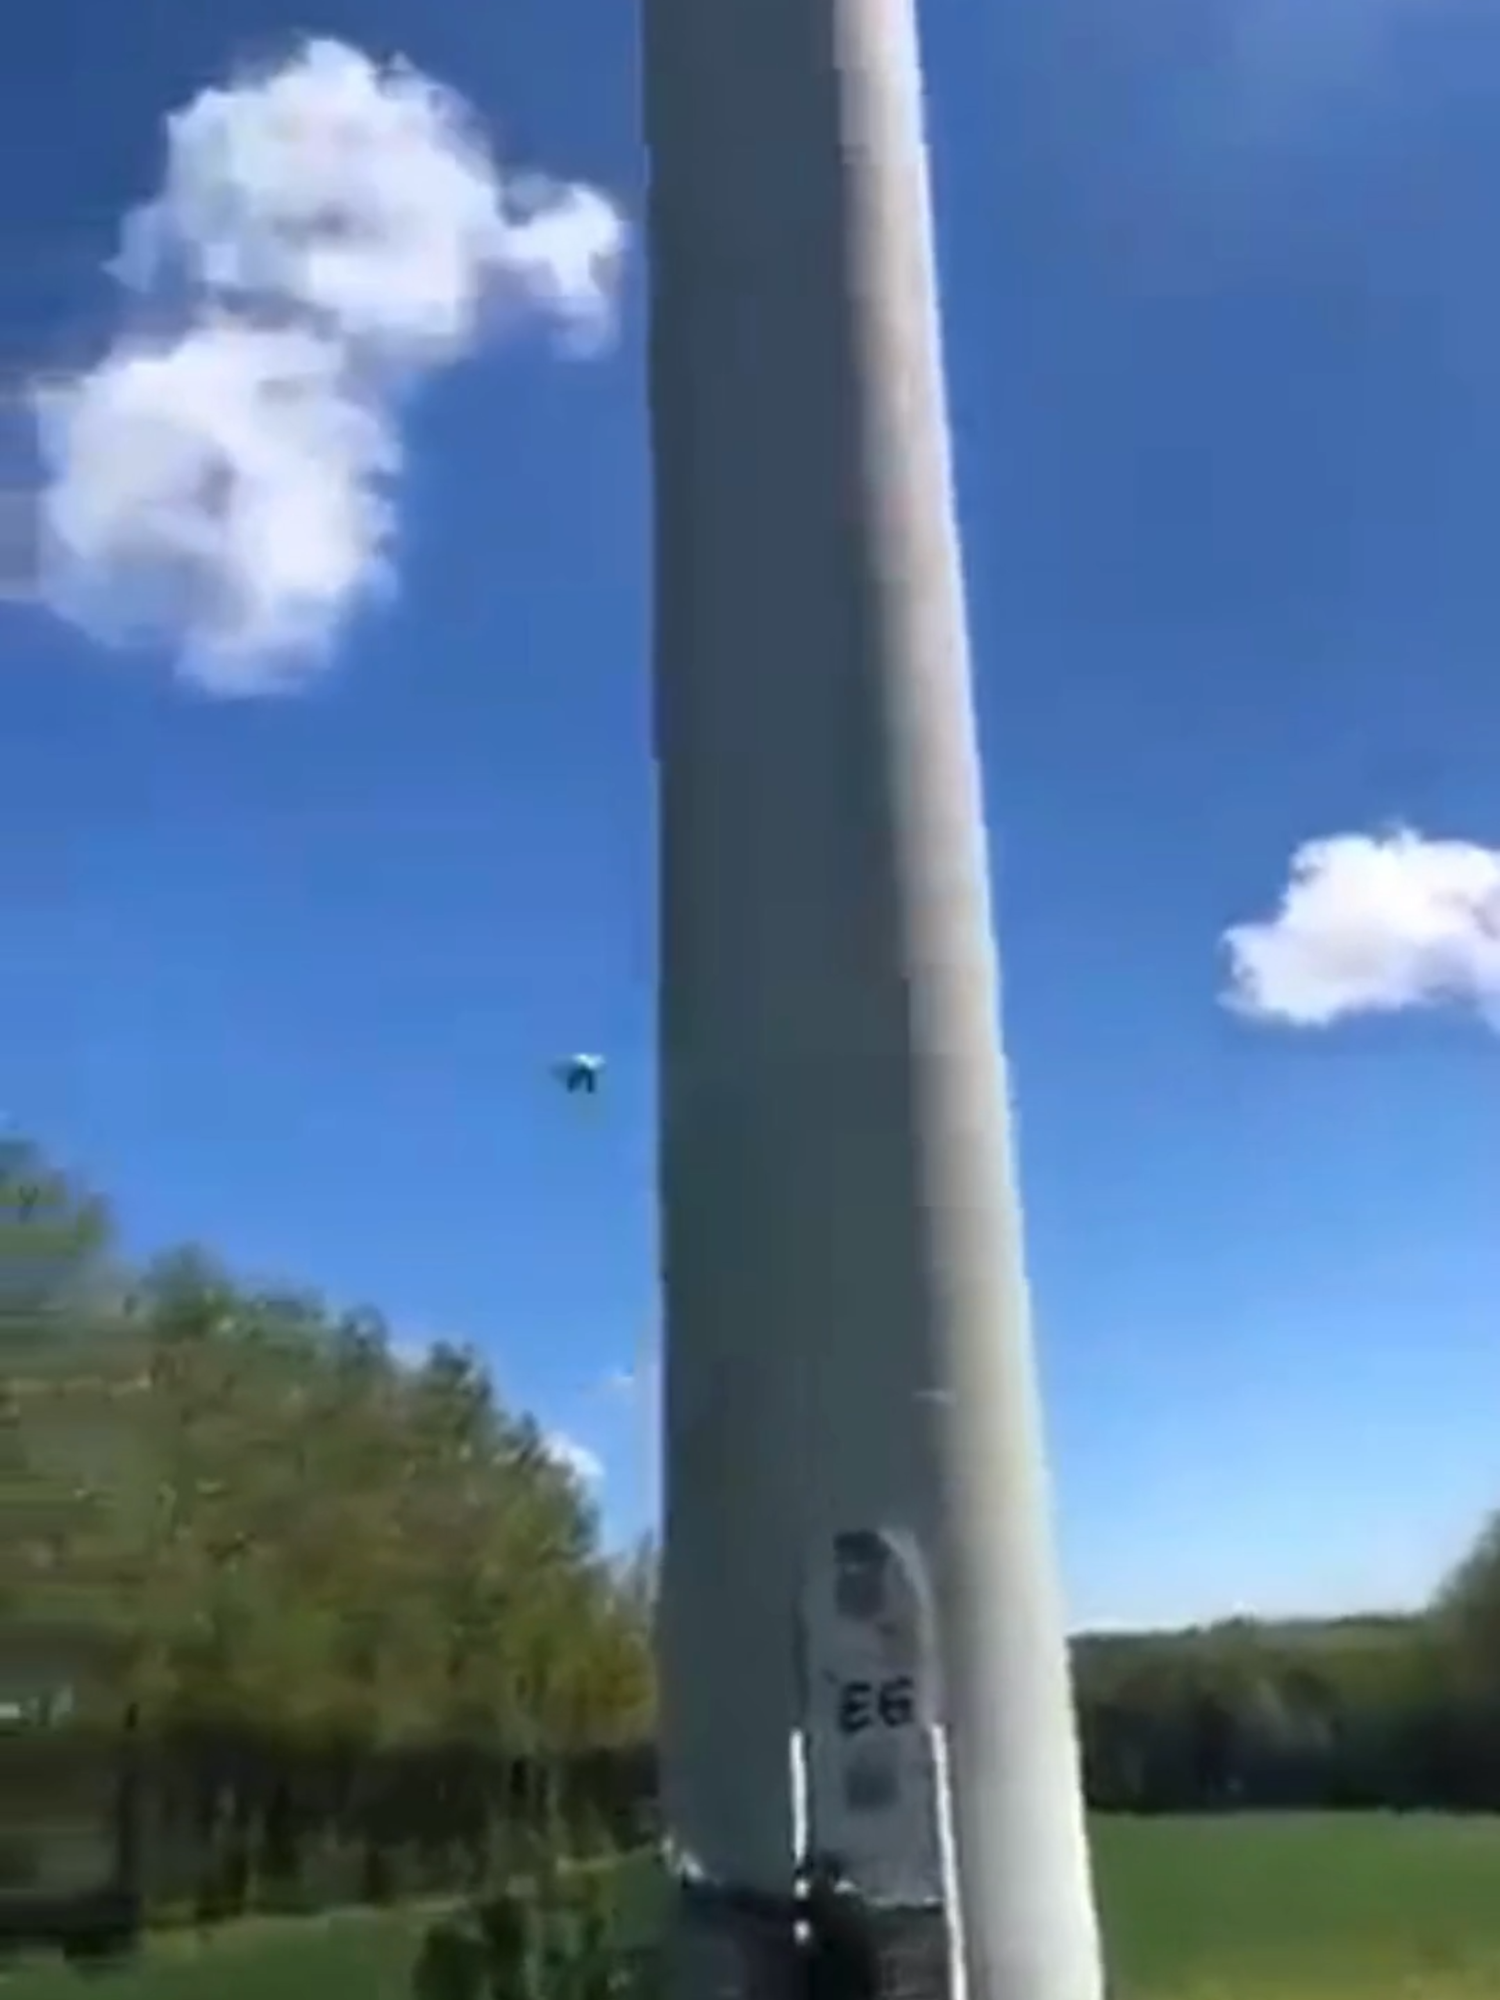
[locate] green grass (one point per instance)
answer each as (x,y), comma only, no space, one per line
(1305,1907)
(1297,1908)
(354,1955)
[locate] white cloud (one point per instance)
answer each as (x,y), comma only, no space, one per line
(585,1465)
(1373,925)
(328,231)
(226,491)
(367,199)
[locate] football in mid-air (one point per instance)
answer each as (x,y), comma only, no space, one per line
(580,1076)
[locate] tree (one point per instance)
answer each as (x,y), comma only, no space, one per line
(1468,1608)
(68,1375)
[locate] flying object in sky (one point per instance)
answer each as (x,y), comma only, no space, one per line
(580,1076)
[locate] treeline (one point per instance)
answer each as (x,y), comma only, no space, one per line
(1399,1713)
(363,1616)
(373,1639)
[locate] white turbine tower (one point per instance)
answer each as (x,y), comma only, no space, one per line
(854,1468)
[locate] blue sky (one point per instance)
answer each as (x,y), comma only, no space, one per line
(327,799)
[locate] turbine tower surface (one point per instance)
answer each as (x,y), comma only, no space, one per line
(848,1359)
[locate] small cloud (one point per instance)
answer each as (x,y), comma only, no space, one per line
(623,1383)
(585,1465)
(1373,925)
(328,232)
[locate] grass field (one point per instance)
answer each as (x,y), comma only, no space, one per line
(350,1956)
(1356,1907)
(1306,1908)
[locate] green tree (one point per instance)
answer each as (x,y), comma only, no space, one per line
(69,1371)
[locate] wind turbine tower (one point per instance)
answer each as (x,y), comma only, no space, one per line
(848,1359)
